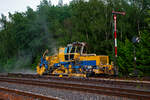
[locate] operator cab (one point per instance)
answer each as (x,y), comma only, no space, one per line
(75,48)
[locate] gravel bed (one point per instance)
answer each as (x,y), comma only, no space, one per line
(59,93)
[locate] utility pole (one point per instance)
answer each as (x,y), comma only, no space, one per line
(115,38)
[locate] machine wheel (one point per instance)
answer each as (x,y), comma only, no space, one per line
(40,70)
(89,74)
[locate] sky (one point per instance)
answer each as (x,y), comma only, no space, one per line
(21,5)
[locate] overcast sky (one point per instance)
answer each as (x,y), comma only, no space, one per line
(21,5)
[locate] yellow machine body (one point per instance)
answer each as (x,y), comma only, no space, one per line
(73,60)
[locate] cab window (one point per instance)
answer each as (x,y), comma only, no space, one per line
(68,49)
(73,50)
(84,50)
(78,50)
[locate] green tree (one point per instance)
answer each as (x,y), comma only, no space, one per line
(143,52)
(125,57)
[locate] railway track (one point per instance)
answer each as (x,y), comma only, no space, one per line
(102,80)
(96,77)
(28,94)
(130,93)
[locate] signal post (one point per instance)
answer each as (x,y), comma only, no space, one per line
(115,38)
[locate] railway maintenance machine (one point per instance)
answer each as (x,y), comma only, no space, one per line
(73,60)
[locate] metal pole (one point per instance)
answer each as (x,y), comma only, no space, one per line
(115,42)
(115,34)
(115,39)
(135,40)
(134,57)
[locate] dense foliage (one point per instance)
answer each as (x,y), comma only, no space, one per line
(26,35)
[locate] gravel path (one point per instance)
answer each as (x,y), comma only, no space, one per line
(59,93)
